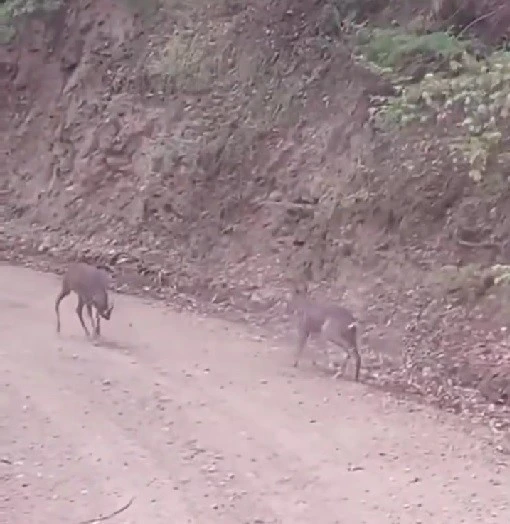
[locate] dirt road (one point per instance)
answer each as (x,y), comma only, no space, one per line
(200,422)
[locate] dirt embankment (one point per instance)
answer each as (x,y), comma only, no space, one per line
(219,152)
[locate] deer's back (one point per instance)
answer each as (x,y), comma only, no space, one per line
(314,315)
(86,280)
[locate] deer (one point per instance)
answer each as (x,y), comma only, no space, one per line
(90,284)
(331,322)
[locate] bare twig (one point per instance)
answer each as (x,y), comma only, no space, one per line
(288,205)
(110,515)
(467,243)
(487,245)
(479,19)
(452,16)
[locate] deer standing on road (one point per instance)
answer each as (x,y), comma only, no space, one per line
(331,322)
(91,285)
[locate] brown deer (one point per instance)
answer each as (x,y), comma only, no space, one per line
(90,283)
(331,322)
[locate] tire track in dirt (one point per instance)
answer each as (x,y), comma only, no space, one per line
(41,482)
(250,453)
(120,464)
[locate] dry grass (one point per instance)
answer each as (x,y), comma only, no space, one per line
(234,97)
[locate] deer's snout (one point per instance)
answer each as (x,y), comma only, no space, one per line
(106,313)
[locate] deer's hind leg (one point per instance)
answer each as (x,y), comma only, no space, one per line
(350,347)
(95,325)
(352,339)
(98,323)
(79,312)
(302,339)
(63,294)
(357,361)
(338,338)
(341,369)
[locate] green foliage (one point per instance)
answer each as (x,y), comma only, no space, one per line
(13,8)
(473,94)
(390,48)
(10,10)
(7,32)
